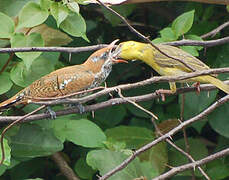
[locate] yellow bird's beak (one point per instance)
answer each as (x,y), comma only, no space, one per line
(114,54)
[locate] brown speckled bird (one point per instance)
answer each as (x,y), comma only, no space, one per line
(68,80)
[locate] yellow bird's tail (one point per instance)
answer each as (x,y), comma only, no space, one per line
(218,83)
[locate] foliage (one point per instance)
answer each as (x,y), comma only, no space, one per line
(96,145)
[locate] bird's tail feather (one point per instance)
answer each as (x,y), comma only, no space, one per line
(218,83)
(10,102)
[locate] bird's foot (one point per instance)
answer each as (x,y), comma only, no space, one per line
(51,113)
(162,92)
(197,86)
(79,106)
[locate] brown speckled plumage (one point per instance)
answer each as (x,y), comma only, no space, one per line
(67,80)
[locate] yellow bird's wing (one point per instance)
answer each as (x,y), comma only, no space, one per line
(164,61)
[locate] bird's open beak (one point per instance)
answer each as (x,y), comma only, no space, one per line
(114,54)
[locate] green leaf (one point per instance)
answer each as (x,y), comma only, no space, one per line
(195,37)
(136,137)
(222,56)
(26,169)
(4,58)
(51,36)
(157,40)
(41,66)
(59,12)
(110,116)
(7,26)
(32,141)
(3,168)
(218,169)
(190,49)
(73,6)
(167,34)
(7,153)
(218,120)
(32,15)
(138,112)
(32,40)
(12,7)
(125,10)
(83,170)
(45,4)
(105,160)
(201,102)
(81,132)
(5,81)
(197,150)
(74,25)
(183,23)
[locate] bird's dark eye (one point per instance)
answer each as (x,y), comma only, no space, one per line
(104,55)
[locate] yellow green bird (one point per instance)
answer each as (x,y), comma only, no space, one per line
(132,50)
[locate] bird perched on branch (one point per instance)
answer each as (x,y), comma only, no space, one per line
(165,66)
(68,80)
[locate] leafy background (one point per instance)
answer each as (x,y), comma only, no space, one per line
(96,145)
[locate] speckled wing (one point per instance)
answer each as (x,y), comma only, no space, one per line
(164,61)
(61,82)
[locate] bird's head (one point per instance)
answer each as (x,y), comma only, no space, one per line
(131,50)
(103,58)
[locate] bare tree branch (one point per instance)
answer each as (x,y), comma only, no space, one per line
(201,1)
(154,79)
(165,136)
(182,168)
(53,49)
(209,43)
(116,2)
(64,167)
(184,42)
(159,132)
(216,30)
(108,103)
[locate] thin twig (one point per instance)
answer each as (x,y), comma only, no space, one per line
(180,150)
(200,162)
(64,167)
(165,136)
(216,30)
(7,62)
(11,125)
(159,132)
(108,103)
(154,79)
(184,131)
(137,105)
(144,37)
(184,42)
(209,43)
(53,49)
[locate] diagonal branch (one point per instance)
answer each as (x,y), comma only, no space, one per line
(165,136)
(182,168)
(216,30)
